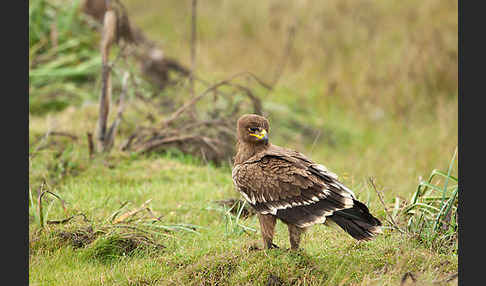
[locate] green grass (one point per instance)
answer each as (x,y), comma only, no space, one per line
(182,190)
(183,193)
(63,55)
(433,210)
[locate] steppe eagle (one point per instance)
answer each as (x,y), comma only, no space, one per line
(285,184)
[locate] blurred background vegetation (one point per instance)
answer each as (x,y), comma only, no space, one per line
(379,79)
(375,82)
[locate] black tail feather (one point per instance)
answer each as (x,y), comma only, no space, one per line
(357,221)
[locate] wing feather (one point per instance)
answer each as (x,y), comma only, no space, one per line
(290,186)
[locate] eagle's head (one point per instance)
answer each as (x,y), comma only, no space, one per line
(253,129)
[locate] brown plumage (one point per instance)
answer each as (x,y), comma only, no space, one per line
(284,184)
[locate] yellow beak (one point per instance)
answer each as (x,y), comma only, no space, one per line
(262,135)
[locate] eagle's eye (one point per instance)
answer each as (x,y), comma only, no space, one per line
(253,129)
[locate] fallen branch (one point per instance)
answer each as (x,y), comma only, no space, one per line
(151,145)
(447,279)
(66,134)
(212,138)
(131,213)
(63,221)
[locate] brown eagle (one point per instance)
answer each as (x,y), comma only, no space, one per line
(284,184)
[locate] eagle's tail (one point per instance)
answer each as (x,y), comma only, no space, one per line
(357,221)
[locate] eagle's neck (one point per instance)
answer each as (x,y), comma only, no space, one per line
(245,151)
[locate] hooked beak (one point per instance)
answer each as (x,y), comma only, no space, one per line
(262,135)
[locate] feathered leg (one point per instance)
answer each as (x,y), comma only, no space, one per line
(267,227)
(295,233)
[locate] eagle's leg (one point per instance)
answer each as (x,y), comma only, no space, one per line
(295,233)
(267,227)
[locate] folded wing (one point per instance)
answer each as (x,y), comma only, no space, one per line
(291,187)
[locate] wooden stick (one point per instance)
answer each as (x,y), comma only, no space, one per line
(132,212)
(110,136)
(195,99)
(108,37)
(66,134)
(394,224)
(193,45)
(62,221)
(90,144)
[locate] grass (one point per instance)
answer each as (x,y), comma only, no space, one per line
(182,190)
(63,55)
(433,210)
(369,90)
(183,193)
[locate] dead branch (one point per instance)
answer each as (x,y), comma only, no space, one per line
(105,137)
(132,212)
(257,79)
(193,45)
(66,134)
(194,100)
(211,139)
(128,143)
(124,30)
(134,228)
(257,105)
(44,140)
(192,110)
(151,57)
(66,220)
(90,144)
(180,128)
(392,222)
(207,123)
(108,38)
(153,144)
(110,137)
(447,279)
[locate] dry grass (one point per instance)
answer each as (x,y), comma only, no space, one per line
(371,54)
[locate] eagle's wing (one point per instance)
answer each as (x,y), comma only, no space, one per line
(290,186)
